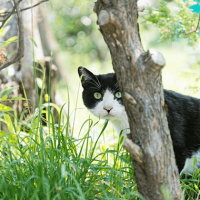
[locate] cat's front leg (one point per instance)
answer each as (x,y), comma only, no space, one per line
(134,149)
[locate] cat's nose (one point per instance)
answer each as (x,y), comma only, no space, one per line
(108,109)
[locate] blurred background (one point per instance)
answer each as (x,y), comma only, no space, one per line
(71,31)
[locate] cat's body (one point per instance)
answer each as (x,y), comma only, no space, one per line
(102,98)
(184,125)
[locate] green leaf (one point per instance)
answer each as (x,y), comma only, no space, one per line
(4,98)
(18,98)
(4,108)
(2,133)
(10,40)
(9,123)
(33,41)
(4,30)
(7,91)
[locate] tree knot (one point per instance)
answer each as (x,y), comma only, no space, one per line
(129,98)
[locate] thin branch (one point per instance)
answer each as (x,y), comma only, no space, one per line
(20,51)
(186,33)
(21,10)
(195,30)
(10,13)
(33,5)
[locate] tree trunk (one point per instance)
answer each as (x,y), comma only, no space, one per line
(139,77)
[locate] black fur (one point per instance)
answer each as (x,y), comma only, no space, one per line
(184,126)
(183,115)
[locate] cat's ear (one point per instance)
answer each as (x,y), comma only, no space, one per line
(85,75)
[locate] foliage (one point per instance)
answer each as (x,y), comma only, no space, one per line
(177,21)
(74,26)
(190,186)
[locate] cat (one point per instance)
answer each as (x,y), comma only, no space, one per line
(102,98)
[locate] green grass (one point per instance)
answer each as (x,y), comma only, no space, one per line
(48,163)
(191,185)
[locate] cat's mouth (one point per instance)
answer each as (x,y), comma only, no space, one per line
(108,116)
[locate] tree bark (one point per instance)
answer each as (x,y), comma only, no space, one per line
(139,77)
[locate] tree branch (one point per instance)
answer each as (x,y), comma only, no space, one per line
(185,33)
(10,13)
(37,4)
(195,30)
(20,51)
(21,10)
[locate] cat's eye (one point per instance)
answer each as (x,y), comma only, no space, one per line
(118,95)
(97,95)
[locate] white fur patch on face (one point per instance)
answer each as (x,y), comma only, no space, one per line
(108,103)
(117,114)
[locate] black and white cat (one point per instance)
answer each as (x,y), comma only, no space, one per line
(102,98)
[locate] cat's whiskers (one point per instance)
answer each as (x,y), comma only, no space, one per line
(98,82)
(94,83)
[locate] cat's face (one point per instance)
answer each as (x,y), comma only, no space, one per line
(101,94)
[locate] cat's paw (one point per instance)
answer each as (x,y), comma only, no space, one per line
(135,151)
